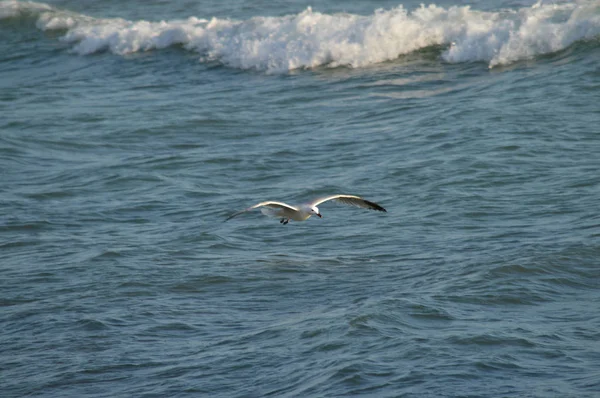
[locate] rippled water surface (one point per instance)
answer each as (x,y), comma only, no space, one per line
(129,132)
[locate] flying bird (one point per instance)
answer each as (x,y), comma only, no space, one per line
(303,212)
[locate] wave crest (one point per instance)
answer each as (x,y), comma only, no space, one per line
(311,39)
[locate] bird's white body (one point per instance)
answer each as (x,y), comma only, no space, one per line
(303,212)
(296,213)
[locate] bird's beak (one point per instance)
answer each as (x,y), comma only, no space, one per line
(319,214)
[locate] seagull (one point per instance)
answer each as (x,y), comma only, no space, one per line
(305,211)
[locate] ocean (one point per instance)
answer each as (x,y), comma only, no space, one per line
(130,131)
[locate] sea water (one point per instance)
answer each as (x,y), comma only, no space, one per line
(129,131)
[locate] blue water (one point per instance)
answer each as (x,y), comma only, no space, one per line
(129,132)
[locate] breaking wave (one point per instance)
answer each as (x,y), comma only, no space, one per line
(311,39)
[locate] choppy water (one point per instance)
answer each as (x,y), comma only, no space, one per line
(128,133)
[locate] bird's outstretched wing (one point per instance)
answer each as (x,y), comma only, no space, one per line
(269,203)
(350,200)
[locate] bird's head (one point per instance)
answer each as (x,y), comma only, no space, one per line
(314,210)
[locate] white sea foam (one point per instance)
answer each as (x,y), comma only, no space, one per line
(310,38)
(522,34)
(14,8)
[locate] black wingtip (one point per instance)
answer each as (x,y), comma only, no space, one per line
(375,206)
(230,217)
